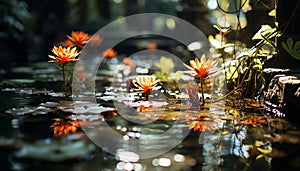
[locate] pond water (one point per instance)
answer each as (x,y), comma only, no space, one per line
(39,131)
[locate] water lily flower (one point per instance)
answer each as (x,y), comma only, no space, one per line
(109,53)
(203,68)
(77,38)
(63,55)
(64,127)
(95,40)
(152,46)
(146,83)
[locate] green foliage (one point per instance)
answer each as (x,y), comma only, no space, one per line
(266,34)
(166,66)
(232,6)
(243,66)
(291,48)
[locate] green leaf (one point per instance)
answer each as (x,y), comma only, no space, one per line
(290,43)
(272,13)
(293,50)
(264,31)
(165,64)
(297,46)
(232,73)
(178,75)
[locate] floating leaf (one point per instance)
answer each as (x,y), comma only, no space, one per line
(55,150)
(29,110)
(291,48)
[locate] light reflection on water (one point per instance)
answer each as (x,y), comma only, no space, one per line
(232,146)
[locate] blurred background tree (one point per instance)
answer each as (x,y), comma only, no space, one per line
(13,30)
(29,28)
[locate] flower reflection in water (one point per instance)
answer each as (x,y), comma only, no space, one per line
(144,109)
(193,96)
(145,106)
(201,124)
(64,126)
(254,120)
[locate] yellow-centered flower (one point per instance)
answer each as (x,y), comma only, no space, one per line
(203,68)
(63,55)
(146,83)
(64,127)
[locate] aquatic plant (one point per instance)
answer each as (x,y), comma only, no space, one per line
(77,39)
(64,126)
(202,69)
(109,53)
(147,84)
(63,56)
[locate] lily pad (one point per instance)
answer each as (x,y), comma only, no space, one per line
(29,110)
(55,150)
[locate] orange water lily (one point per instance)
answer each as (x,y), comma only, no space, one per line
(129,62)
(109,53)
(203,68)
(203,126)
(254,120)
(77,38)
(64,127)
(146,83)
(63,55)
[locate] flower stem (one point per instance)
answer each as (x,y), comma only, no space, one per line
(64,80)
(203,99)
